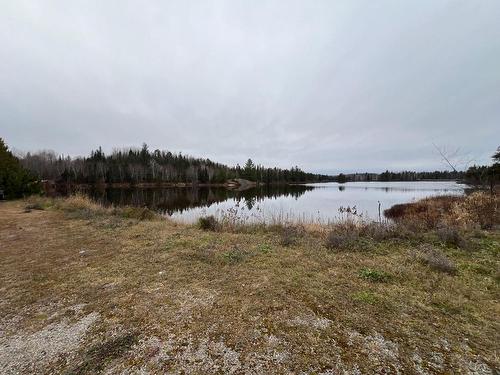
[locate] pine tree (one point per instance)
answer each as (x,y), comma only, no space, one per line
(15,181)
(249,170)
(496,155)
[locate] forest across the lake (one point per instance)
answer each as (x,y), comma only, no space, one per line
(141,166)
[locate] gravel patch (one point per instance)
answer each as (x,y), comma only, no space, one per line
(30,353)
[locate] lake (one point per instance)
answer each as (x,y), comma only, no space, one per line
(299,203)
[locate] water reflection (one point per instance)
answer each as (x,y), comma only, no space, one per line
(179,199)
(315,202)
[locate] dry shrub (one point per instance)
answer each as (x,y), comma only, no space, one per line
(337,240)
(426,213)
(450,235)
(429,255)
(290,234)
(346,234)
(478,209)
(209,223)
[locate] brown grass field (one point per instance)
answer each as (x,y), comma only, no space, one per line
(88,290)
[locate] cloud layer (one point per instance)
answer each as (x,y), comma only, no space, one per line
(329,86)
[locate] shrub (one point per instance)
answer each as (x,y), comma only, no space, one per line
(290,235)
(435,259)
(450,236)
(374,275)
(426,213)
(477,209)
(340,240)
(209,223)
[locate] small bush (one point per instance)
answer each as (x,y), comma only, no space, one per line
(290,235)
(435,259)
(450,236)
(340,240)
(209,223)
(374,275)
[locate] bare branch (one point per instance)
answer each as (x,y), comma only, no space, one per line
(446,157)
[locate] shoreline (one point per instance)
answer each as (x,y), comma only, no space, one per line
(249,184)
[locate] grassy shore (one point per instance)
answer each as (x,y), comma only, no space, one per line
(87,290)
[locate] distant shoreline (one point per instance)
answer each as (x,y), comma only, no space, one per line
(240,184)
(50,185)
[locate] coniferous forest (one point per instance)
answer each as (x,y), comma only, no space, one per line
(140,165)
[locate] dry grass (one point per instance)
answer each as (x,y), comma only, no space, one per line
(159,297)
(81,206)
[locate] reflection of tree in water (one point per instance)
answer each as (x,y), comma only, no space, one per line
(178,199)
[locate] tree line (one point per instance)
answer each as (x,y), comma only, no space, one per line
(21,176)
(419,176)
(485,175)
(400,176)
(140,165)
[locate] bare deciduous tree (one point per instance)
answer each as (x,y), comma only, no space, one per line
(453,157)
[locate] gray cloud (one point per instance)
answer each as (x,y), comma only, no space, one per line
(329,86)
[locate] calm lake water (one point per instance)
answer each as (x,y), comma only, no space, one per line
(305,203)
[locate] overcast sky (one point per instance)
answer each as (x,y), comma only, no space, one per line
(326,85)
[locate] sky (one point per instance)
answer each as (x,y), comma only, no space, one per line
(331,86)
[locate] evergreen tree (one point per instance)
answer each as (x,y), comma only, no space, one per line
(485,175)
(341,178)
(15,180)
(249,170)
(496,155)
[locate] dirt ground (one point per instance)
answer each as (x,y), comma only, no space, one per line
(84,294)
